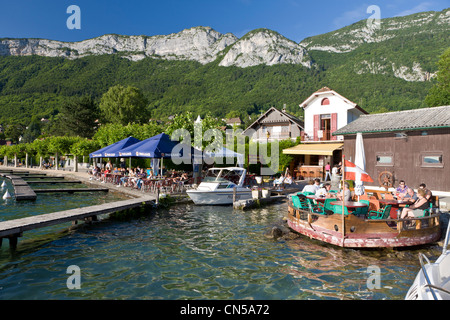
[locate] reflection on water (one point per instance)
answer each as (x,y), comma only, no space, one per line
(203,252)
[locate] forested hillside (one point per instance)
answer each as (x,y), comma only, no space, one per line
(392,68)
(39,85)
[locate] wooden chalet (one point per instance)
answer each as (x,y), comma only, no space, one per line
(411,145)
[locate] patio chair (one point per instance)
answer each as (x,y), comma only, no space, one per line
(363,210)
(300,204)
(338,210)
(380,214)
(315,207)
(328,208)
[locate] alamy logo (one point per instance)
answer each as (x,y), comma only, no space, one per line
(374,279)
(74,21)
(374,21)
(74,281)
(257,152)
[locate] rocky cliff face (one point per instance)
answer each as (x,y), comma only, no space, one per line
(358,34)
(201,44)
(399,46)
(267,47)
(263,46)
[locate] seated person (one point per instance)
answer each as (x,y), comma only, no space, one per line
(312,186)
(345,195)
(401,190)
(140,176)
(410,196)
(428,193)
(416,210)
(288,179)
(324,191)
(278,181)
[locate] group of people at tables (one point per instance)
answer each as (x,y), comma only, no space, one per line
(414,202)
(418,202)
(134,177)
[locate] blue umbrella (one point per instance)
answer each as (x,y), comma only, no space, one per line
(159,146)
(112,151)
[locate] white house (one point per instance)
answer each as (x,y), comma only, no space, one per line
(327,111)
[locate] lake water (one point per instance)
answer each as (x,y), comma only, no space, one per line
(191,252)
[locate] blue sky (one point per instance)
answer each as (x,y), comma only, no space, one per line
(295,19)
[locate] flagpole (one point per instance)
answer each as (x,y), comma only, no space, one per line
(343,199)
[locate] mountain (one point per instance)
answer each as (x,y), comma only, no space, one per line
(202,70)
(200,44)
(263,46)
(405,47)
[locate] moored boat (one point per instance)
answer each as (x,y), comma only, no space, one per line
(220,186)
(360,228)
(433,280)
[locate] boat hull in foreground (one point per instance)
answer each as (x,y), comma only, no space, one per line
(433,280)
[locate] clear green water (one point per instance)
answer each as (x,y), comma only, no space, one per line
(197,252)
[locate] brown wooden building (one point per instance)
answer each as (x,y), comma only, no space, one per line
(412,145)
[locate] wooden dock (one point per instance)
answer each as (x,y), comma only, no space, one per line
(71,190)
(13,229)
(41,177)
(22,191)
(54,182)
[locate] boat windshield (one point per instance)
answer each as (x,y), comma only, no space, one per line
(223,175)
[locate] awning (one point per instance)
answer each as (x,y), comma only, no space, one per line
(321,149)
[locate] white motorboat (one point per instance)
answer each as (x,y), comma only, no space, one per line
(217,187)
(433,280)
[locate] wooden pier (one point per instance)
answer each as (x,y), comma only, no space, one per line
(22,191)
(71,190)
(54,182)
(12,229)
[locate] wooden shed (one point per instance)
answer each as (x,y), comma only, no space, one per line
(412,145)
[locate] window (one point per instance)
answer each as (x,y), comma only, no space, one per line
(385,159)
(431,160)
(325,102)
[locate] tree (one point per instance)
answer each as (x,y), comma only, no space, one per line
(111,133)
(124,105)
(32,131)
(84,147)
(187,121)
(439,94)
(14,132)
(78,117)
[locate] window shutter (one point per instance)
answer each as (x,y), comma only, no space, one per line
(333,125)
(316,126)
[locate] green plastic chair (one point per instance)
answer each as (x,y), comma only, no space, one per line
(364,210)
(382,214)
(316,208)
(427,212)
(299,204)
(338,210)
(327,207)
